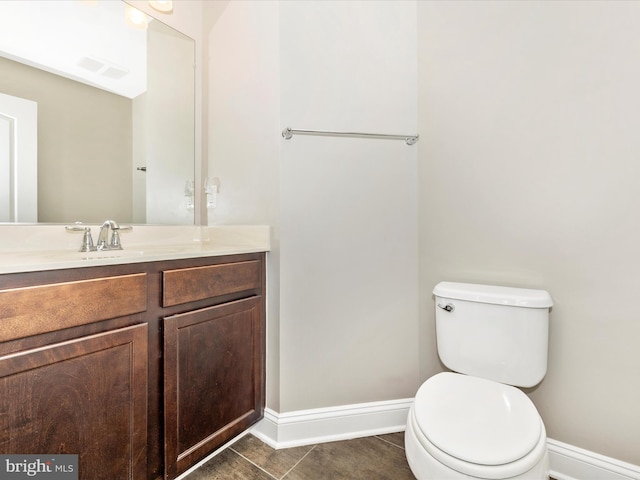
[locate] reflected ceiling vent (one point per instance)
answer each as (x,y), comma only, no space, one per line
(90,64)
(114,71)
(102,67)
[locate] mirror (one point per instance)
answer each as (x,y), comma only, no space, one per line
(114,101)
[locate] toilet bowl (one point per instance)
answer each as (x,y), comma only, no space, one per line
(463,427)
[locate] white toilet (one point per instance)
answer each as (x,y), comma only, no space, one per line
(475,424)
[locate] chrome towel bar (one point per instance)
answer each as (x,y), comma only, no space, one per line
(288,132)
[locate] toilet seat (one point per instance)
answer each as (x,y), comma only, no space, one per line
(478,427)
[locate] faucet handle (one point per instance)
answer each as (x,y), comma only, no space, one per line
(87,239)
(115,236)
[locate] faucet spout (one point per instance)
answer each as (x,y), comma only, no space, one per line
(103,237)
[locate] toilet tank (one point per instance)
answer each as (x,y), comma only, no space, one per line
(498,333)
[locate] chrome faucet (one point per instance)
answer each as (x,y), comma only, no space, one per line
(103,242)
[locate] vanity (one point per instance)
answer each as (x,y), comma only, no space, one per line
(141,361)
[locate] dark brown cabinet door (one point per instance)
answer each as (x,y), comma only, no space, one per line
(86,396)
(214,379)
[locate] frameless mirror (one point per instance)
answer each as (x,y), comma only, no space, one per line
(96,114)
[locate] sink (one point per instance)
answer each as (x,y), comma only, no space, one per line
(97,255)
(64,256)
(129,253)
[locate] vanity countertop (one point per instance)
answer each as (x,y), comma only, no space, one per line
(29,248)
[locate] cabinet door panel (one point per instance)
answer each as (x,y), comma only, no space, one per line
(86,396)
(214,380)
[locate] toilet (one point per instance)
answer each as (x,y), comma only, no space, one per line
(473,422)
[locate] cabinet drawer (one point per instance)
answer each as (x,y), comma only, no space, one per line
(198,283)
(45,308)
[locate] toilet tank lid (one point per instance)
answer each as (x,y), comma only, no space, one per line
(473,292)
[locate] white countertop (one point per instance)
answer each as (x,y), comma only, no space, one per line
(28,248)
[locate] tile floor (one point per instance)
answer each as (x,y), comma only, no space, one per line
(371,458)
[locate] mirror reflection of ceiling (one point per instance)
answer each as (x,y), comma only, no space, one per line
(84,40)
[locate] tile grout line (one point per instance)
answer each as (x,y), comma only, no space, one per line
(298,462)
(253,463)
(390,443)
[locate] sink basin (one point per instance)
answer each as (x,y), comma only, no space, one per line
(65,256)
(129,253)
(109,254)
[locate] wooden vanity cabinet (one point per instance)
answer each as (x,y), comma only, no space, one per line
(141,369)
(213,358)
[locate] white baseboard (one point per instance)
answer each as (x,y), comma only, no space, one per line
(573,463)
(308,427)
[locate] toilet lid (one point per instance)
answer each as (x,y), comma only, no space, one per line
(477,420)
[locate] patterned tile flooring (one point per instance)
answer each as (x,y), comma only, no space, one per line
(371,458)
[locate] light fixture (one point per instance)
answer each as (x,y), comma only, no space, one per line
(135,18)
(164,6)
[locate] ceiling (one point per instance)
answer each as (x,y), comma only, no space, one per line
(85,40)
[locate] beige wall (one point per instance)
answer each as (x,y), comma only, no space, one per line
(84,145)
(529,159)
(348,207)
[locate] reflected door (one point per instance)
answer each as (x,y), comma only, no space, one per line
(18,159)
